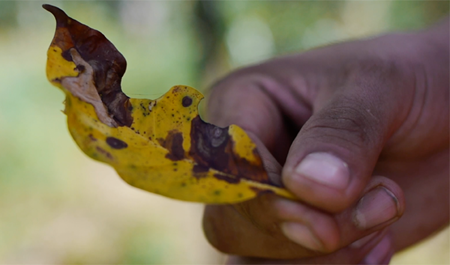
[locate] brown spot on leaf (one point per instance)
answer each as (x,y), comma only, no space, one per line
(104,152)
(212,147)
(186,101)
(200,169)
(116,143)
(173,143)
(93,139)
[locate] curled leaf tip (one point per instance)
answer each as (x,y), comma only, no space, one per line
(60,16)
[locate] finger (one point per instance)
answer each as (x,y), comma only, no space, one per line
(333,156)
(354,254)
(270,226)
(249,229)
(244,99)
(381,253)
(382,204)
(240,100)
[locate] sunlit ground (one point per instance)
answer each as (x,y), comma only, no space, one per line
(58,206)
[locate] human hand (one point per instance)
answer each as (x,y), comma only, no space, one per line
(363,119)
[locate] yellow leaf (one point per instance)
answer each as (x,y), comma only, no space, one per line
(161,145)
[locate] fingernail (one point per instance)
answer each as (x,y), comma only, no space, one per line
(325,169)
(376,207)
(379,253)
(301,235)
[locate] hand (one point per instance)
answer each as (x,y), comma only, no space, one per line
(361,129)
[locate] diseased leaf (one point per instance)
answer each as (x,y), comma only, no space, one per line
(161,145)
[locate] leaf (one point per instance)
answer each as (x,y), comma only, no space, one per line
(161,145)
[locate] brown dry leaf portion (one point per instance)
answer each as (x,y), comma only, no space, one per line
(107,63)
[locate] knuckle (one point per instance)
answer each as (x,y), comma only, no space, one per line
(382,78)
(375,68)
(347,123)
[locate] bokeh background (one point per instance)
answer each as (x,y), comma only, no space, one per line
(58,206)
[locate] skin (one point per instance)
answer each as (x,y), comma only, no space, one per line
(379,108)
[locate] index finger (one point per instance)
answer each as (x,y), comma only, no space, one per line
(242,99)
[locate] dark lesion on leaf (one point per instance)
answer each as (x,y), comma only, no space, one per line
(116,143)
(108,63)
(200,169)
(104,152)
(212,147)
(186,101)
(80,68)
(174,144)
(92,138)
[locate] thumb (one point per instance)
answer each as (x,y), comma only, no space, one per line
(334,155)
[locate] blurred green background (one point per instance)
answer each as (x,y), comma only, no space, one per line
(58,206)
